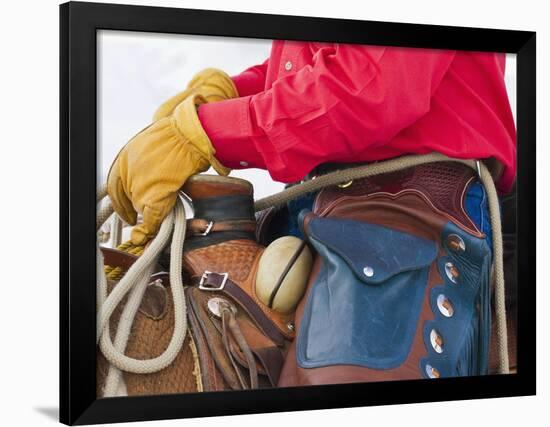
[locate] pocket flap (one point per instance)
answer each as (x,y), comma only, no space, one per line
(374,253)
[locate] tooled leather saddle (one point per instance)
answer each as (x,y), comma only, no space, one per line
(233,341)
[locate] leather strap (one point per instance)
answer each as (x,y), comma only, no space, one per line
(203,227)
(272,361)
(214,350)
(216,282)
(231,327)
(117,258)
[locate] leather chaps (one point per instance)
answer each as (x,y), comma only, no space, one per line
(400,287)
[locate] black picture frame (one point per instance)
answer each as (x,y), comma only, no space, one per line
(79,23)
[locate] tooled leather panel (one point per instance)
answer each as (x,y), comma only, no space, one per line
(443,184)
(149,338)
(238,258)
(235,257)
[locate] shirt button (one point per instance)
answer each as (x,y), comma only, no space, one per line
(243,164)
(288,66)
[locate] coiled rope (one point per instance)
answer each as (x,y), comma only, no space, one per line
(136,278)
(134,284)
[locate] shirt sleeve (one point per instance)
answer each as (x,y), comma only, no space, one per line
(252,80)
(350,99)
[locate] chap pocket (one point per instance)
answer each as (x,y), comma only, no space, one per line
(364,304)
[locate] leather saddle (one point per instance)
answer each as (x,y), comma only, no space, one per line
(234,341)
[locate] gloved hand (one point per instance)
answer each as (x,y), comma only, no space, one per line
(151,168)
(213,84)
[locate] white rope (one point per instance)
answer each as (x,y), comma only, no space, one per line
(498,269)
(134,273)
(116,230)
(101,193)
(135,281)
(114,375)
(105,211)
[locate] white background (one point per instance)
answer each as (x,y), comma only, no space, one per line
(29,175)
(139,71)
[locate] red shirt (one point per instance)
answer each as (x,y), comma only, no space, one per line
(313,103)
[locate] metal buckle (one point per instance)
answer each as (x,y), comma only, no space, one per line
(203,286)
(478,167)
(208,229)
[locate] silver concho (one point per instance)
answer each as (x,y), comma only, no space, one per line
(444,305)
(431,372)
(452,272)
(456,243)
(214,306)
(436,341)
(368,271)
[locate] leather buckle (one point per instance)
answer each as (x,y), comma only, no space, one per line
(208,229)
(205,286)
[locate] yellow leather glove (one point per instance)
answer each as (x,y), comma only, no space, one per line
(213,84)
(148,172)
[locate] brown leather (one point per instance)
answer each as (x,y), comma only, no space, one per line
(218,368)
(201,226)
(239,259)
(216,281)
(249,343)
(212,337)
(269,356)
(243,347)
(233,339)
(201,186)
(442,184)
(155,301)
(211,377)
(236,257)
(151,335)
(411,201)
(117,258)
(272,361)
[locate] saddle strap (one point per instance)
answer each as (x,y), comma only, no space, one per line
(203,227)
(231,328)
(216,282)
